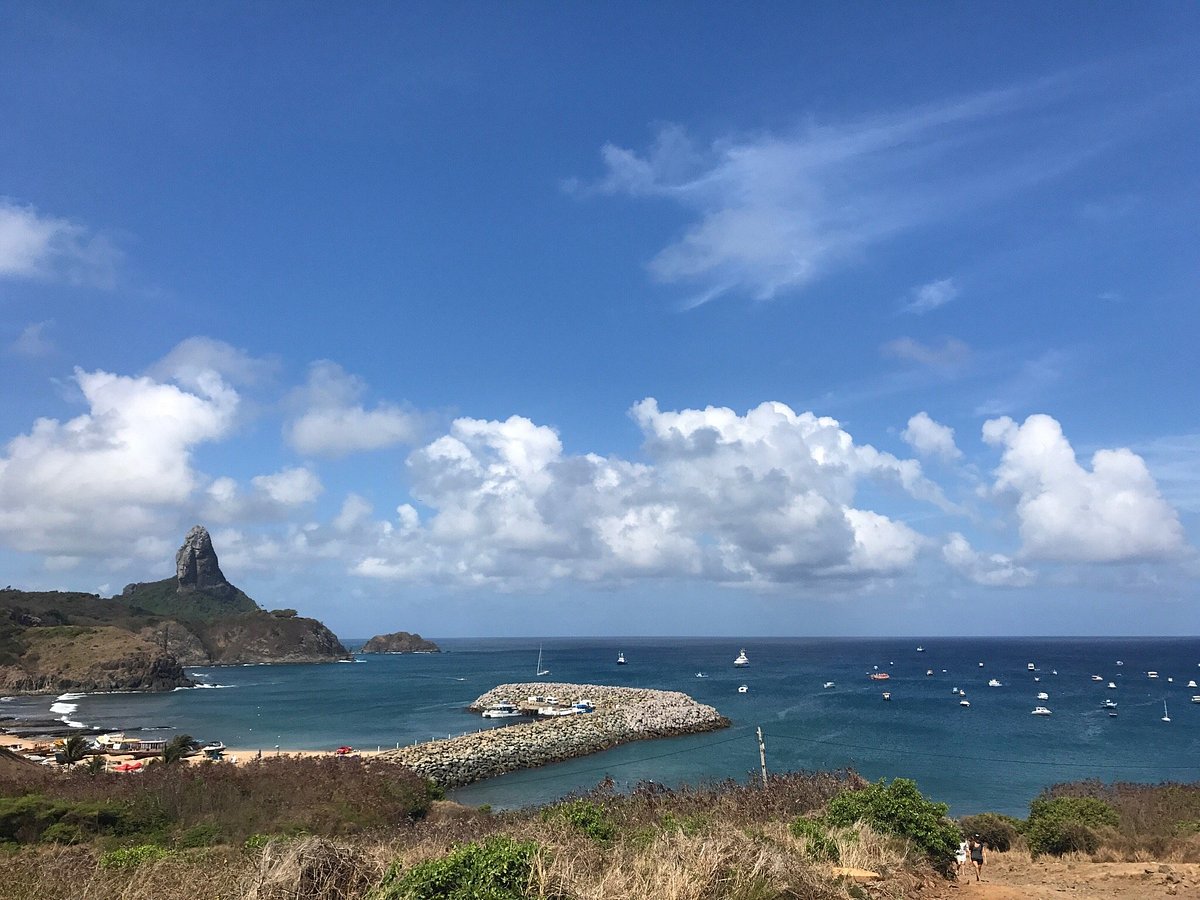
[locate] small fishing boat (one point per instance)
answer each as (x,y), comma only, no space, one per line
(1098,678)
(1041,711)
(879,676)
(994,683)
(1111,686)
(701,675)
(920,649)
(742,660)
(929,671)
(1110,704)
(887,695)
(1120,663)
(1196,698)
(1043,696)
(621,659)
(743,689)
(501,711)
(1151,674)
(1029,666)
(964,702)
(828,685)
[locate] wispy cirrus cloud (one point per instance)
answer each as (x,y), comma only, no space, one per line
(771,213)
(928,297)
(37,246)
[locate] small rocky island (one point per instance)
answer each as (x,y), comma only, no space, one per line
(399,642)
(620,716)
(139,640)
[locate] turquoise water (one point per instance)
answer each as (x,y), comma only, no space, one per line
(994,755)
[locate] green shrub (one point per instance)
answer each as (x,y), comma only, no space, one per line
(899,809)
(256,842)
(585,816)
(813,832)
(690,825)
(63,833)
(201,836)
(1061,825)
(997,831)
(1059,836)
(132,857)
(497,869)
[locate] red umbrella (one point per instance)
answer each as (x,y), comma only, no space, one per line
(127,767)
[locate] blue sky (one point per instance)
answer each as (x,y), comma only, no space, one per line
(611,318)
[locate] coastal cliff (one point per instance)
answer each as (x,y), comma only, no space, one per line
(621,715)
(140,639)
(400,642)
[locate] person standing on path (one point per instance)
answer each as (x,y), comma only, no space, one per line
(975,846)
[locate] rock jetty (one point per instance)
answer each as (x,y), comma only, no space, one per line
(621,715)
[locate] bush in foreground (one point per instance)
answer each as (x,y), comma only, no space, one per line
(899,809)
(1059,825)
(499,868)
(997,831)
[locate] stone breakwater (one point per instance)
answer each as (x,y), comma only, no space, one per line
(622,715)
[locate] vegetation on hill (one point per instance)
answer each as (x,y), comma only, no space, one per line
(163,598)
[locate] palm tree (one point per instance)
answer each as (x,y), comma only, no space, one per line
(177,748)
(74,749)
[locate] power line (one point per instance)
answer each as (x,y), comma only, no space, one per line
(990,759)
(631,762)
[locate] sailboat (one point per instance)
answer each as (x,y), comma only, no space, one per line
(540,670)
(1165,718)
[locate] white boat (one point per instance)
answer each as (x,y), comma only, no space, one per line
(887,695)
(964,702)
(828,685)
(1054,671)
(1110,704)
(743,689)
(1041,711)
(742,660)
(1170,680)
(981,665)
(501,711)
(584,706)
(701,675)
(1151,674)
(929,671)
(555,711)
(621,658)
(954,690)
(1165,716)
(1196,698)
(1192,684)
(540,670)
(1112,713)
(1043,696)
(1029,666)
(1111,686)
(1037,677)
(994,683)
(920,649)
(1097,678)
(1120,663)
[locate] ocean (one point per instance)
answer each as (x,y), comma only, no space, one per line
(994,755)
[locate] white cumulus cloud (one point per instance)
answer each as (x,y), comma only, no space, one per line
(1112,512)
(991,570)
(38,246)
(764,497)
(930,438)
(93,482)
(334,422)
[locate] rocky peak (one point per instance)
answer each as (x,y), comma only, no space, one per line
(196,565)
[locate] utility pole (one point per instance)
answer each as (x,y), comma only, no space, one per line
(762,756)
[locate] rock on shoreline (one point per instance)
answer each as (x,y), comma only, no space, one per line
(399,642)
(622,715)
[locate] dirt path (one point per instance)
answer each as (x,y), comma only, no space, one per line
(1016,877)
